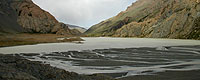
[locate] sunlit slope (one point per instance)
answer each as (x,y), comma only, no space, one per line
(153,18)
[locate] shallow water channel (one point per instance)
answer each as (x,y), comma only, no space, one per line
(126,56)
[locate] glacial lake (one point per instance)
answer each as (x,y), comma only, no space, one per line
(98,43)
(120,57)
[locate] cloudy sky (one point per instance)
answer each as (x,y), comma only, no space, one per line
(83,13)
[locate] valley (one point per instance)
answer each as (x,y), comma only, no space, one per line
(150,40)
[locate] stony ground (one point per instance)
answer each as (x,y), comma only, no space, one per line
(168,75)
(176,63)
(14,67)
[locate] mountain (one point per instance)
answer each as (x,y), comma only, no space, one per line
(8,18)
(25,16)
(63,29)
(153,19)
(68,30)
(81,29)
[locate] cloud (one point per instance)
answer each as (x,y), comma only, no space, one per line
(83,12)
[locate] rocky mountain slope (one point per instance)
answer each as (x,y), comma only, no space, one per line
(25,16)
(154,19)
(81,29)
(8,18)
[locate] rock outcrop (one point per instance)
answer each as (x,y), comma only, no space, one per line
(8,18)
(154,19)
(31,18)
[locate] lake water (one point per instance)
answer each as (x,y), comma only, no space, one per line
(97,43)
(125,56)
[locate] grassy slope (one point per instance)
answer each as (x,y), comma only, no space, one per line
(27,39)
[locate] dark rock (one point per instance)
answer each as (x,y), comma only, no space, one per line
(15,67)
(8,18)
(30,54)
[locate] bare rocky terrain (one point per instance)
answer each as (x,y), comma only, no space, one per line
(15,67)
(25,16)
(8,21)
(145,63)
(153,19)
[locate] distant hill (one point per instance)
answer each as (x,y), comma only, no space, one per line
(154,19)
(25,16)
(81,29)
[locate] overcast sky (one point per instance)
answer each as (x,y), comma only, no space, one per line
(83,13)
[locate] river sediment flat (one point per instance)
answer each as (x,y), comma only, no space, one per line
(124,62)
(120,58)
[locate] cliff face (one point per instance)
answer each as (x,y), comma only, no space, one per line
(155,19)
(8,18)
(33,19)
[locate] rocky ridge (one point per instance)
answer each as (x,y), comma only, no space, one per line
(31,18)
(80,29)
(153,19)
